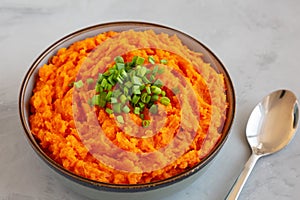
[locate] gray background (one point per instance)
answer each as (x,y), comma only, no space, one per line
(258,41)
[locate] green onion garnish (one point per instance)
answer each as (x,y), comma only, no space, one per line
(113,100)
(120,119)
(78,84)
(158,83)
(155,89)
(136,89)
(102,99)
(89,81)
(109,111)
(135,99)
(96,99)
(137,110)
(153,109)
(145,123)
(165,101)
(151,60)
(116,107)
(126,109)
(123,99)
(119,59)
(129,87)
(154,97)
(155,70)
(164,61)
(139,60)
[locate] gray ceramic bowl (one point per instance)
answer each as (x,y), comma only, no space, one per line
(99,190)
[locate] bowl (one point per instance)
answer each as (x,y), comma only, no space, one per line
(101,190)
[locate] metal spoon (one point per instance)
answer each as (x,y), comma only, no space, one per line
(271,126)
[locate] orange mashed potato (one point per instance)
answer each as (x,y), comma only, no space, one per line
(54,125)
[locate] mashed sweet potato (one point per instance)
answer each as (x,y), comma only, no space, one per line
(82,138)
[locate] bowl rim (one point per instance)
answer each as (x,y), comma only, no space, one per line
(125,187)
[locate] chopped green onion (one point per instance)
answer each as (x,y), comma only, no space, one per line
(107,73)
(120,119)
(123,99)
(145,80)
(161,70)
(112,69)
(96,99)
(103,83)
(136,80)
(139,60)
(133,61)
(138,67)
(126,109)
(100,77)
(128,84)
(119,59)
(142,87)
(164,61)
(144,97)
(102,101)
(154,97)
(109,111)
(78,84)
(90,102)
(136,89)
(158,83)
(153,109)
(125,91)
(152,77)
(148,71)
(155,70)
(142,105)
(148,98)
(116,107)
(89,81)
(116,93)
(151,60)
(141,72)
(142,116)
(108,96)
(113,100)
(165,101)
(119,80)
(137,110)
(148,89)
(155,89)
(145,123)
(108,86)
(111,79)
(135,99)
(98,88)
(123,73)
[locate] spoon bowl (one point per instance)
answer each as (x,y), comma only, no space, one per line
(273,122)
(271,126)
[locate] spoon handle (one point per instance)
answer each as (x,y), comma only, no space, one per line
(241,180)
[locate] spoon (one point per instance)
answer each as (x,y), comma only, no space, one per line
(271,126)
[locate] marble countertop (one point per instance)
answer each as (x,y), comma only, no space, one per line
(258,41)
